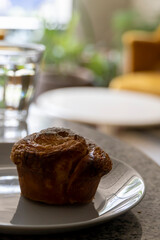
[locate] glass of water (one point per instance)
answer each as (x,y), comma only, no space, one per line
(19,66)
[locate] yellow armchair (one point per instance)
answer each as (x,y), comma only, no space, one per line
(141,51)
(141,63)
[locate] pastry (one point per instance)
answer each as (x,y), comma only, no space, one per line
(57,166)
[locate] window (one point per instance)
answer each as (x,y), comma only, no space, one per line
(28,15)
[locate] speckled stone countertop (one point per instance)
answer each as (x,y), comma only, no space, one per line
(142,222)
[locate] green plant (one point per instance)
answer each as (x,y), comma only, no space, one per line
(61,44)
(65,52)
(103,67)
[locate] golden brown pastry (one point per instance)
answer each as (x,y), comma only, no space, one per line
(57,166)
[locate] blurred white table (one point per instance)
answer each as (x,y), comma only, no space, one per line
(145,139)
(130,116)
(95,105)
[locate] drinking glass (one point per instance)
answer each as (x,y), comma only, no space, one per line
(19,66)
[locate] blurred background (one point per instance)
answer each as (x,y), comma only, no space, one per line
(111,44)
(83,38)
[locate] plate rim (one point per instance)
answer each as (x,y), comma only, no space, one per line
(56,228)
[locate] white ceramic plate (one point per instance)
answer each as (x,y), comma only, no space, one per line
(118,192)
(101,106)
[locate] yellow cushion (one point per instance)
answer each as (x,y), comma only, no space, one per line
(148,82)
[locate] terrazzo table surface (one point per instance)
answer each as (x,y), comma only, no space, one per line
(142,222)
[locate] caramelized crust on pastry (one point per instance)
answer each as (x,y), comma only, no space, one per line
(57,166)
